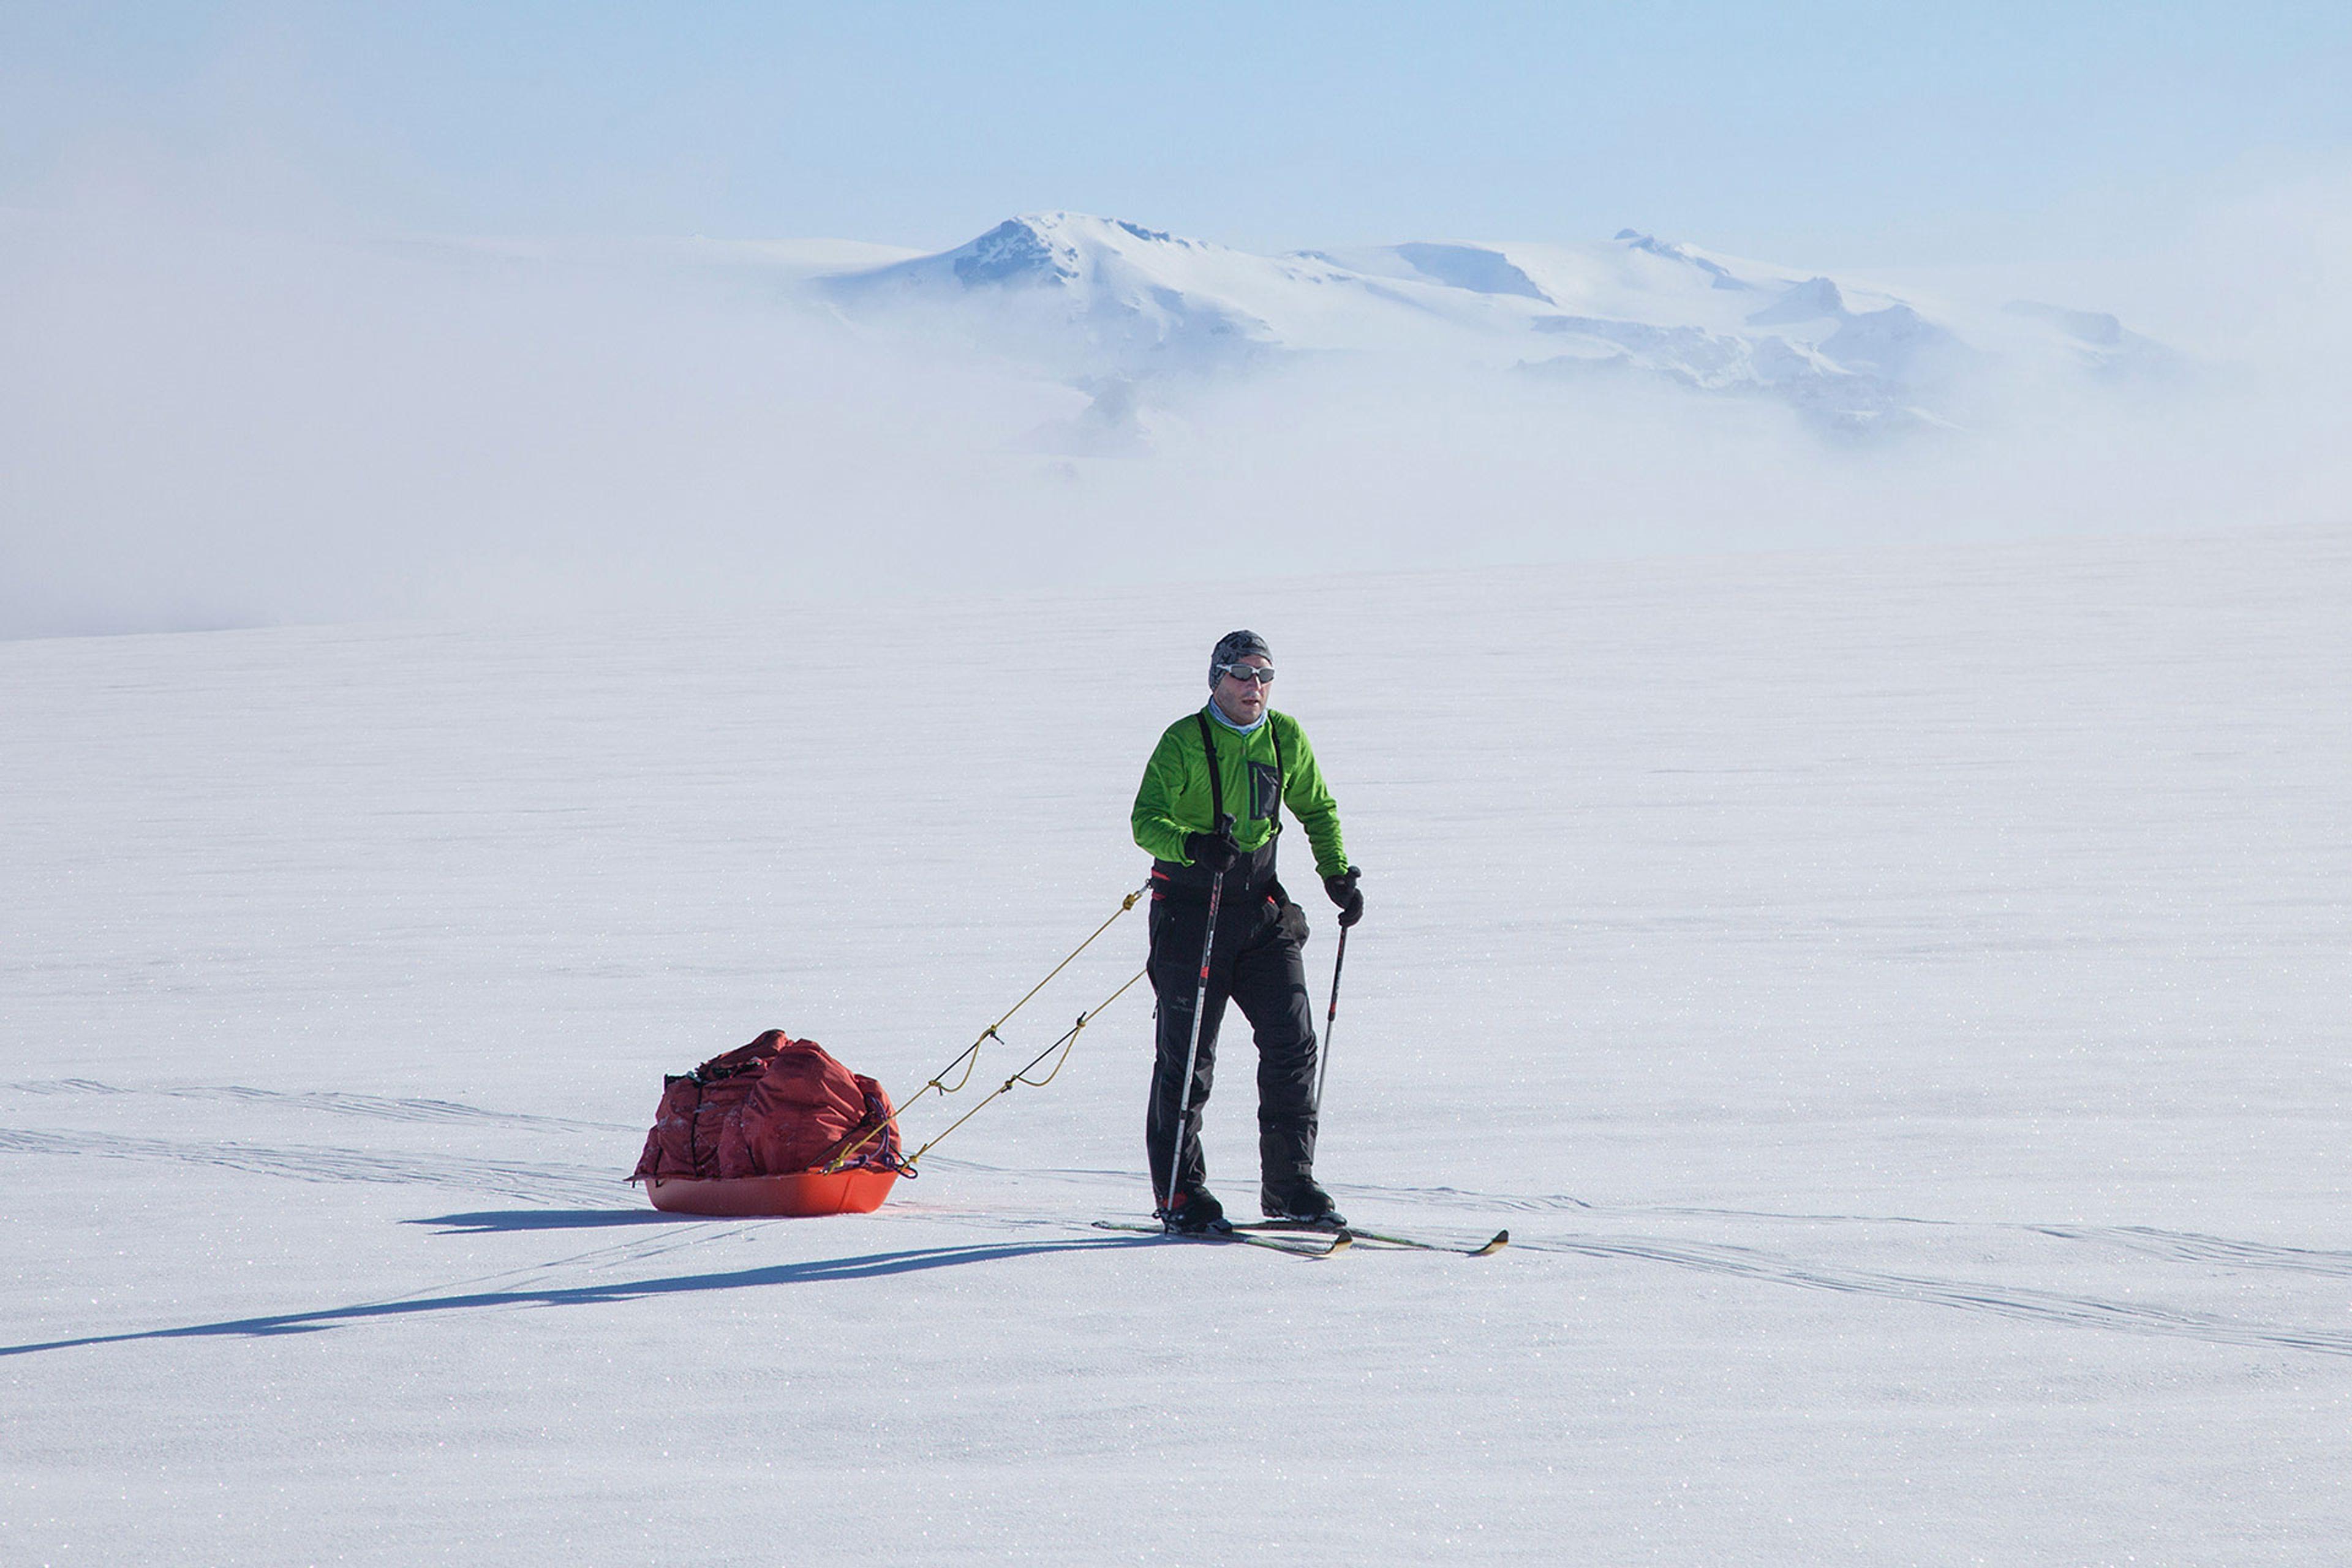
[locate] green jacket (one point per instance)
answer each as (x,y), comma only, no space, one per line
(1175,798)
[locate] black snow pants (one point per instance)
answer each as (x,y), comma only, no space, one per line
(1256,964)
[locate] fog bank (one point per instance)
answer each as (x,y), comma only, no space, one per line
(206,428)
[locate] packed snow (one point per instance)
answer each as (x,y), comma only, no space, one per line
(1894,998)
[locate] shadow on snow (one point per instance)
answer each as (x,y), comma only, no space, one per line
(492,1220)
(813,1271)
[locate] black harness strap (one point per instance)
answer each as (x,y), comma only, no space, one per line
(1216,774)
(1216,781)
(1281,771)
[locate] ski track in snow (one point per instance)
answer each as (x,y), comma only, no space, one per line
(378,1107)
(514,1179)
(2209,1255)
(2215,1249)
(2182,1246)
(555,1184)
(2006,1301)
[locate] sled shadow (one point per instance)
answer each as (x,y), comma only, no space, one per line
(490,1220)
(810,1272)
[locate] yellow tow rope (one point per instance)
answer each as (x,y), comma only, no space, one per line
(1067,1043)
(970,1056)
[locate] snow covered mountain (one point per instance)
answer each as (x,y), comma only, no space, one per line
(1102,303)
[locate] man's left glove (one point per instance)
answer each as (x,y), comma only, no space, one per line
(1212,852)
(1343,891)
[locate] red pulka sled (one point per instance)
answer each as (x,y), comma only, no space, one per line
(776,1127)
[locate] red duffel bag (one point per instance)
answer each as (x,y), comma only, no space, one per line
(774,1127)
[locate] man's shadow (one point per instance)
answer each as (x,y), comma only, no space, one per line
(811,1271)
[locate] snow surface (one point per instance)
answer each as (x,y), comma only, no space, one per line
(1896,999)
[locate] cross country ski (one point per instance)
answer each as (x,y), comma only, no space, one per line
(1339,1242)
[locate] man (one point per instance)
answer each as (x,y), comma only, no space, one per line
(1209,813)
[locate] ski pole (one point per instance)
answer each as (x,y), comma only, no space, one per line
(1323,1065)
(1200,1012)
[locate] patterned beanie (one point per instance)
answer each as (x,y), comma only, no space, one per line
(1233,647)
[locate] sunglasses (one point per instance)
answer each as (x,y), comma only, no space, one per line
(1245,673)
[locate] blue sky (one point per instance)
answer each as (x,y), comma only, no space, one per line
(1920,134)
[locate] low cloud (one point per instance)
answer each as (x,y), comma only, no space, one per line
(207,429)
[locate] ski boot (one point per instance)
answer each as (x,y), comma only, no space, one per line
(1301,1203)
(1196,1211)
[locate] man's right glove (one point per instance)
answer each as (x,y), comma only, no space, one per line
(1211,851)
(1344,893)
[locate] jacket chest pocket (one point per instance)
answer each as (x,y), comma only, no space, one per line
(1265,792)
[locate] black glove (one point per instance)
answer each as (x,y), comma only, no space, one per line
(1343,892)
(1211,851)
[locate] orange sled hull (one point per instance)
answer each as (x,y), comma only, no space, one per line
(803,1192)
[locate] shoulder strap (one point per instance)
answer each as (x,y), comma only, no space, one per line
(1216,782)
(1281,770)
